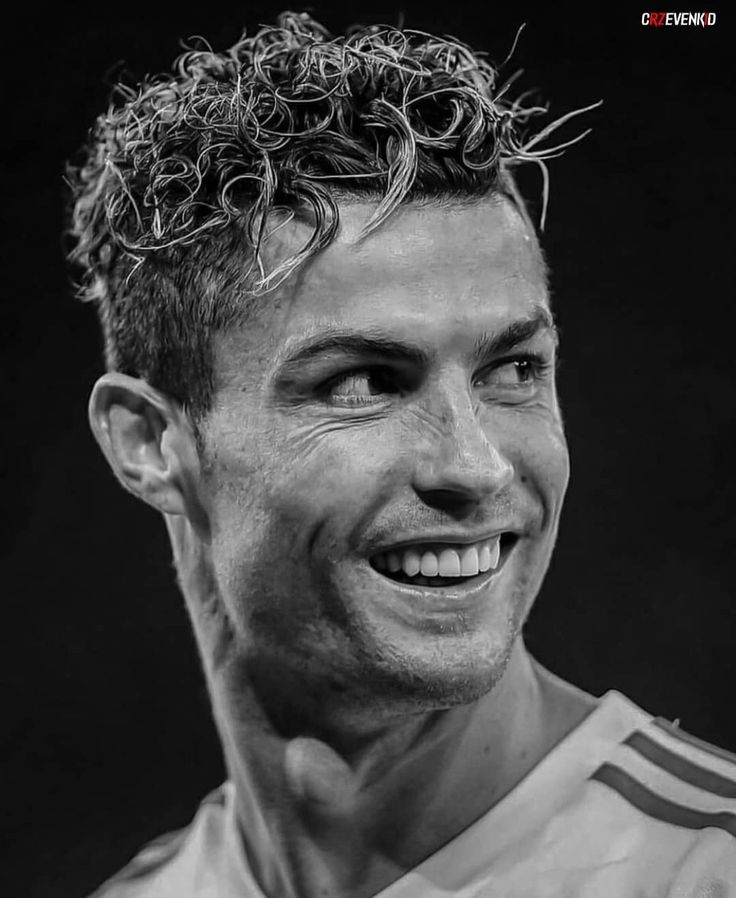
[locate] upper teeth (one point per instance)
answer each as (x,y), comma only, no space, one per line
(445,561)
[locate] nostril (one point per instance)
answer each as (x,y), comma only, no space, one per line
(457,504)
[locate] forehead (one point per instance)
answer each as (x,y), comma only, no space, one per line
(422,245)
(430,272)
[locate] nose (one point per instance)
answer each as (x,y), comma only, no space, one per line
(461,464)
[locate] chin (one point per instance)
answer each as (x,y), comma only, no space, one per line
(447,673)
(428,650)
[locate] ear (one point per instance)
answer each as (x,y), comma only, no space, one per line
(147,441)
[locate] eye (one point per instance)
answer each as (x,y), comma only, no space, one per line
(520,374)
(364,386)
(518,371)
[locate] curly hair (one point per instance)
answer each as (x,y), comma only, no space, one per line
(171,201)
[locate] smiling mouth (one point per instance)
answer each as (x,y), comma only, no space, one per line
(443,564)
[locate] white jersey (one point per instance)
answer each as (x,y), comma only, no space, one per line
(625,806)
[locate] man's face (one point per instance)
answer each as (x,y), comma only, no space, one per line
(385,457)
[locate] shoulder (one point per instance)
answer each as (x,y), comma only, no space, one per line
(673,777)
(163,868)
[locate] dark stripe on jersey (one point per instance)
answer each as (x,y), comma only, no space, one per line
(660,808)
(681,767)
(694,741)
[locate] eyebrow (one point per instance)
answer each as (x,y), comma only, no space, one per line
(367,342)
(377,343)
(516,333)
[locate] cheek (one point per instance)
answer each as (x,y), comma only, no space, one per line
(537,447)
(284,506)
(275,485)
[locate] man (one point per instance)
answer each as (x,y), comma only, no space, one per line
(331,364)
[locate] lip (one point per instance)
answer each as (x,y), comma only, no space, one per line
(444,538)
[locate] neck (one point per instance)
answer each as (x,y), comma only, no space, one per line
(338,816)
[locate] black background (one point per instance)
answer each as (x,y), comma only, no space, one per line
(107,738)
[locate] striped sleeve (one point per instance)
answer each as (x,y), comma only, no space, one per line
(673,777)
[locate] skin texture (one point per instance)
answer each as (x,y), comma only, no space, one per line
(338,693)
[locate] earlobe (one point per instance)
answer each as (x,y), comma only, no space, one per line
(145,438)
